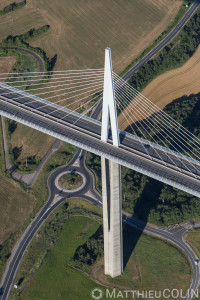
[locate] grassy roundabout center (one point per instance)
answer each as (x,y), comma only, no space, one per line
(70,181)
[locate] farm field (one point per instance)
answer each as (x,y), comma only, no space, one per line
(56,279)
(175,83)
(172,85)
(82,29)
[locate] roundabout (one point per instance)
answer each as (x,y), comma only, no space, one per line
(70,181)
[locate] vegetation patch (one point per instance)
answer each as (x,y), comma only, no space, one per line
(70,181)
(93,162)
(21,41)
(143,257)
(11,7)
(88,253)
(193,239)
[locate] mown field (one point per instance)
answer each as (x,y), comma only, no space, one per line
(56,279)
(16,209)
(193,239)
(6,64)
(31,142)
(82,29)
(176,83)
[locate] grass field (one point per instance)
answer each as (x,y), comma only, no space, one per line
(57,280)
(82,29)
(31,141)
(16,209)
(149,256)
(176,83)
(6,64)
(16,205)
(2,159)
(193,239)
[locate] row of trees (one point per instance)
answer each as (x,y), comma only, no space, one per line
(173,55)
(11,7)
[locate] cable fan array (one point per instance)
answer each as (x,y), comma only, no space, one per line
(77,90)
(147,121)
(80,90)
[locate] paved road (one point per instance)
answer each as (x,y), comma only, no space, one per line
(159,163)
(50,205)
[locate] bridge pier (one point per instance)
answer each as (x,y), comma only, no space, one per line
(112,217)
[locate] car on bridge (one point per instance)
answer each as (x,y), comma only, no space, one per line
(146,146)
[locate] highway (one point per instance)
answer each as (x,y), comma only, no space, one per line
(158,163)
(175,237)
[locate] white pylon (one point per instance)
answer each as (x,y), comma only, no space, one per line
(109,105)
(111,180)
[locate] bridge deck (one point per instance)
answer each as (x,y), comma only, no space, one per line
(85,133)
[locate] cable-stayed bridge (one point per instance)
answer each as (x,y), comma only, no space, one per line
(170,156)
(62,105)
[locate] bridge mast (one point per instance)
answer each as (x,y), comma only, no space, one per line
(111,180)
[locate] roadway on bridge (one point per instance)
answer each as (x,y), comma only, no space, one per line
(48,208)
(85,132)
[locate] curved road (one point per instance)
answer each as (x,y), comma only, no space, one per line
(175,236)
(36,56)
(30,178)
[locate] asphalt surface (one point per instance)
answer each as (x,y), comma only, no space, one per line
(176,237)
(86,133)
